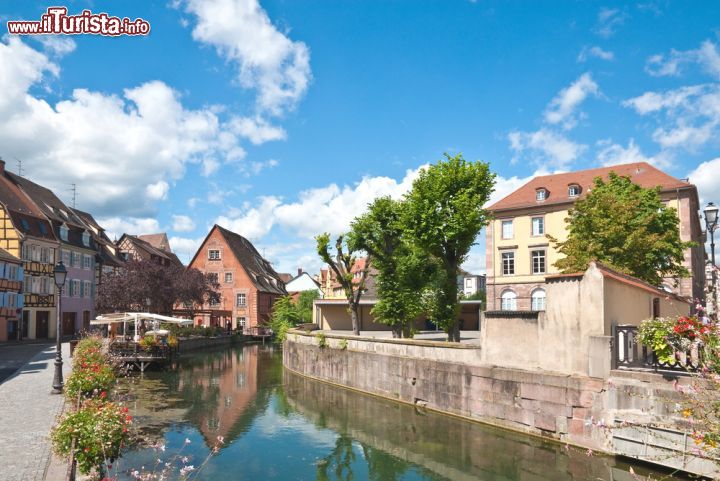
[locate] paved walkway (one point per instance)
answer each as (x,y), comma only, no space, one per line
(14,354)
(28,413)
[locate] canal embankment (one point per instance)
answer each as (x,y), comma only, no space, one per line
(633,414)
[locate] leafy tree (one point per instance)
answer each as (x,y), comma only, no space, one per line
(626,227)
(342,266)
(402,268)
(284,316)
(480,295)
(138,282)
(443,216)
(304,305)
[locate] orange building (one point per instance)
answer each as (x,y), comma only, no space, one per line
(249,286)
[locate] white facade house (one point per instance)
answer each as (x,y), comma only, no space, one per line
(303,282)
(472,284)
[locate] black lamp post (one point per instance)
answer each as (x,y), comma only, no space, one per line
(711,223)
(60,273)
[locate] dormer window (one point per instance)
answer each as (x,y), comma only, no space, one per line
(64,232)
(573,190)
(86,239)
(541,194)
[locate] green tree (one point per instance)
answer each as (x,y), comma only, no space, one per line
(443,216)
(304,305)
(284,316)
(626,227)
(402,268)
(342,265)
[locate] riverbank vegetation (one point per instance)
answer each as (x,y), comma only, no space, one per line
(288,313)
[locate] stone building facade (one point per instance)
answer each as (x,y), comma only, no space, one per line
(519,255)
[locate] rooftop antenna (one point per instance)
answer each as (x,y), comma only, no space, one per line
(73,189)
(20,169)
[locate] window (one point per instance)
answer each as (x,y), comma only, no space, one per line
(538,226)
(76,259)
(86,239)
(87,262)
(213,276)
(240,322)
(46,287)
(537,300)
(241,300)
(508,301)
(66,258)
(541,194)
(214,301)
(538,262)
(25,224)
(87,289)
(468,283)
(507,229)
(64,232)
(81,286)
(228,277)
(214,254)
(508,263)
(574,190)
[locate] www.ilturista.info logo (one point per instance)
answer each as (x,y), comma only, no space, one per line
(57,21)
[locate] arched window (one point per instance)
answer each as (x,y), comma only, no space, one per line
(508,301)
(537,300)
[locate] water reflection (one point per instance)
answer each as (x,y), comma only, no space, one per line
(278,425)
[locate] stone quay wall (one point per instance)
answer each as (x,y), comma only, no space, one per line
(633,414)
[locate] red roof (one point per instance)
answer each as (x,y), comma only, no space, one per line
(557,185)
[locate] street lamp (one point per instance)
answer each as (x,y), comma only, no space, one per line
(711,223)
(60,273)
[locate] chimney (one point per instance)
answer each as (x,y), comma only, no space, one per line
(300,271)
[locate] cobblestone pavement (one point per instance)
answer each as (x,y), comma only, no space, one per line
(13,355)
(29,412)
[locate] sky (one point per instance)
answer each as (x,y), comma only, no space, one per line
(282,119)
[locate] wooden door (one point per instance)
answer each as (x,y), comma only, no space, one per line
(41,324)
(86,321)
(68,323)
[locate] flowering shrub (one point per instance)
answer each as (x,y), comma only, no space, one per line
(147,342)
(88,378)
(100,429)
(667,336)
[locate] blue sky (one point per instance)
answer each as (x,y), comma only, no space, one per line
(283,119)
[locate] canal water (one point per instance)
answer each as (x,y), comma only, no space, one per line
(236,414)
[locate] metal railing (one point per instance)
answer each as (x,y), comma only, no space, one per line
(627,353)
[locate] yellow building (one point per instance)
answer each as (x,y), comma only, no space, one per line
(519,255)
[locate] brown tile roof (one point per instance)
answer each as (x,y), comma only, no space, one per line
(26,216)
(158,241)
(7,257)
(259,270)
(557,185)
(149,249)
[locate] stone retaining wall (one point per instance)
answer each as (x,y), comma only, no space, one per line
(580,410)
(193,343)
(549,405)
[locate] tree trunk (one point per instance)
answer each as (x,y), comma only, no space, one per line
(451,298)
(354,319)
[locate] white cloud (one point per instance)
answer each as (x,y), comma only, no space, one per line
(183,223)
(117,226)
(158,190)
(324,209)
(613,154)
(608,21)
(587,52)
(688,117)
(185,248)
(122,150)
(706,56)
(256,167)
(267,60)
(546,148)
(561,109)
(257,129)
(705,177)
(56,45)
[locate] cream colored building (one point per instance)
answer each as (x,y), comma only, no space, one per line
(519,255)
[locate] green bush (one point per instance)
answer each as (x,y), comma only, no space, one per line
(100,429)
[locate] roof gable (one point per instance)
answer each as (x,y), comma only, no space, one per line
(557,185)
